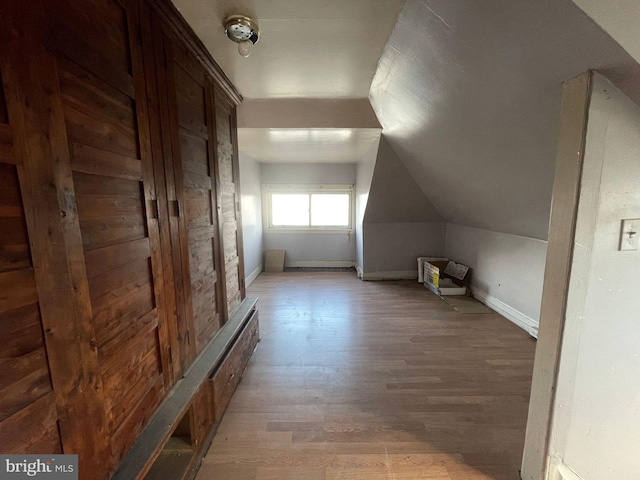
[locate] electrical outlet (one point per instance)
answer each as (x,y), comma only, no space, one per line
(630,234)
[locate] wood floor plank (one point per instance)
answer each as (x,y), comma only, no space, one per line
(374,380)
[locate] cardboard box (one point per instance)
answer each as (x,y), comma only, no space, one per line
(444,277)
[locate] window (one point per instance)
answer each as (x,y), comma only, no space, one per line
(327,208)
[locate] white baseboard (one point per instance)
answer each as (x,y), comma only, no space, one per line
(320,264)
(558,470)
(252,276)
(358,270)
(528,324)
(401,275)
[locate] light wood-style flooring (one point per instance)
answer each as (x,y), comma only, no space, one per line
(361,380)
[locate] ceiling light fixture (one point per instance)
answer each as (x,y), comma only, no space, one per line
(242,30)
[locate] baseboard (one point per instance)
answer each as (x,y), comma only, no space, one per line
(558,470)
(252,276)
(399,275)
(358,270)
(320,264)
(528,324)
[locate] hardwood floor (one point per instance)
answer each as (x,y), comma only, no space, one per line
(373,380)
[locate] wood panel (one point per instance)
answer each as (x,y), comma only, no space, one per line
(111,277)
(33,430)
(103,96)
(227,169)
(225,380)
(187,411)
(192,127)
(25,378)
(14,245)
(40,149)
(4,116)
(176,340)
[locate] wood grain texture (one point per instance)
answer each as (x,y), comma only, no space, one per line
(28,418)
(193,127)
(168,233)
(228,198)
(6,143)
(19,433)
(374,380)
(92,266)
(106,183)
(72,414)
(23,363)
(108,131)
(4,116)
(225,380)
(179,402)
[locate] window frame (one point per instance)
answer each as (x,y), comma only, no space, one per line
(309,189)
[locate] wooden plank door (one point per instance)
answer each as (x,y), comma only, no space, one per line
(28,417)
(229,200)
(189,119)
(99,72)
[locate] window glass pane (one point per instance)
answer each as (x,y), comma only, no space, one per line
(290,209)
(330,209)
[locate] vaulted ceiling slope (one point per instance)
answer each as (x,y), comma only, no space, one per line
(394,196)
(468,94)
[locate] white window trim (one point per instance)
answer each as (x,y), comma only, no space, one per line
(269,189)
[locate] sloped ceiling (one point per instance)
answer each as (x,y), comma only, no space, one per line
(619,18)
(468,94)
(394,195)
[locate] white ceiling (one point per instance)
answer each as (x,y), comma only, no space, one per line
(309,51)
(307,48)
(304,145)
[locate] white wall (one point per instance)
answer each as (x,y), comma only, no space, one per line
(364,175)
(251,202)
(337,173)
(507,270)
(391,248)
(311,249)
(596,422)
(400,223)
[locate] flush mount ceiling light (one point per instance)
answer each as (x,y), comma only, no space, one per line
(242,30)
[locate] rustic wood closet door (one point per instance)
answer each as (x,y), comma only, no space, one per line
(229,200)
(28,417)
(103,94)
(189,107)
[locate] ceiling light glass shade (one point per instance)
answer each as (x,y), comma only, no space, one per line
(242,30)
(244,48)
